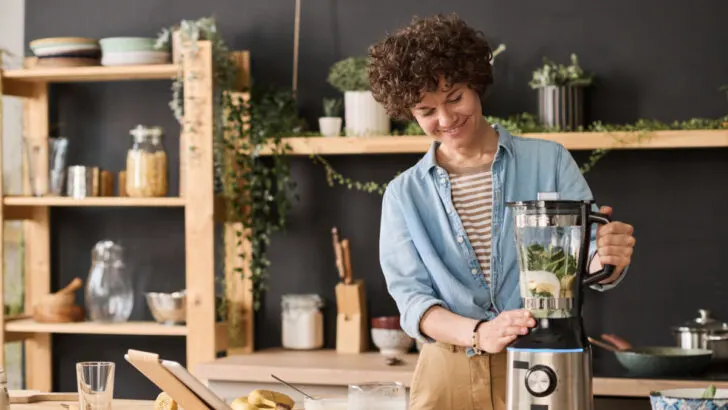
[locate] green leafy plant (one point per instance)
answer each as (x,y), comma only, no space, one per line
(552,74)
(256,190)
(350,74)
(258,193)
(332,107)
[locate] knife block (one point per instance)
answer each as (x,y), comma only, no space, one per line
(351,318)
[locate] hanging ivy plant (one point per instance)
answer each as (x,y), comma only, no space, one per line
(256,190)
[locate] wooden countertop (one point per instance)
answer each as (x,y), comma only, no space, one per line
(117,405)
(326,367)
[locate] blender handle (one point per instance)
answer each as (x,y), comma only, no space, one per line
(607,270)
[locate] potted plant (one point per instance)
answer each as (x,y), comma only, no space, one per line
(363,115)
(561,93)
(330,123)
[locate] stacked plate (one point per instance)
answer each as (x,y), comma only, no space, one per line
(66,51)
(119,51)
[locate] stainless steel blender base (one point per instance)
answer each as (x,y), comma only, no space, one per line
(545,379)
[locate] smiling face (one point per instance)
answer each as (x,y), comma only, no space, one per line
(452,114)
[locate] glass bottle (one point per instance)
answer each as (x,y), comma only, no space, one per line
(146,163)
(109,294)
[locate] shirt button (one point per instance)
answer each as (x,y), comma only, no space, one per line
(442,181)
(460,239)
(473,271)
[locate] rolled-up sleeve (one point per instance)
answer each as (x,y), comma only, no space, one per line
(572,185)
(408,280)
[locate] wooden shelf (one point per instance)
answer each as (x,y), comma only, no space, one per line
(93,73)
(93,201)
(92,328)
(419,144)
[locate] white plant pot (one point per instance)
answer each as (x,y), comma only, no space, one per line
(364,115)
(330,126)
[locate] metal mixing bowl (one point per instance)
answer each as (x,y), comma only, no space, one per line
(168,308)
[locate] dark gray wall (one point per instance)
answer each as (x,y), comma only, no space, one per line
(655,59)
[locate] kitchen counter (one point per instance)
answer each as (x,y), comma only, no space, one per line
(326,372)
(117,405)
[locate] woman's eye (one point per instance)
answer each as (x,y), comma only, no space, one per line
(428,113)
(456,99)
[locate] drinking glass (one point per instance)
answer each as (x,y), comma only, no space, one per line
(381,396)
(95,385)
(46,155)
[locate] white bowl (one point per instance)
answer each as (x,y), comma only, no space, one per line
(135,58)
(392,342)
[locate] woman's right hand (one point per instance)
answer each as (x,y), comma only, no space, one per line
(496,334)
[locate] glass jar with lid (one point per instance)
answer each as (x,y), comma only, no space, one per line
(146,163)
(302,322)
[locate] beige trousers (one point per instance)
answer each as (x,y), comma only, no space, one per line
(446,379)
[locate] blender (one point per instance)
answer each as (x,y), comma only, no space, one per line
(550,368)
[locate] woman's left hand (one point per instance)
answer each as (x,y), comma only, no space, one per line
(615,245)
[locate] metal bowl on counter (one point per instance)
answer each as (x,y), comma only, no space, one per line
(168,308)
(704,332)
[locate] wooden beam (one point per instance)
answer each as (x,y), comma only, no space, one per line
(37,244)
(199,208)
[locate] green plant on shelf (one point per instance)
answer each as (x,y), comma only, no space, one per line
(332,107)
(256,189)
(349,74)
(552,74)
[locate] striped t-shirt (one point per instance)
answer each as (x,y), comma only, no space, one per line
(472,195)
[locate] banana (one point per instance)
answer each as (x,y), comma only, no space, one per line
(270,399)
(165,402)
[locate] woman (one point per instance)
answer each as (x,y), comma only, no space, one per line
(446,250)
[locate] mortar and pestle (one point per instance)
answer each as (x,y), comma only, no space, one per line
(60,307)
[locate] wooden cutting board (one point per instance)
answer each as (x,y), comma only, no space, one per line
(36,396)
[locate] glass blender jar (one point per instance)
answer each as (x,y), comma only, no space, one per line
(550,367)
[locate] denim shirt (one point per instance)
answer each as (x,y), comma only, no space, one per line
(425,253)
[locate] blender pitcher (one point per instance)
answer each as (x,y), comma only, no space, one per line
(550,367)
(552,238)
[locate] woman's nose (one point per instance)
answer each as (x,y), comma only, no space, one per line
(445,119)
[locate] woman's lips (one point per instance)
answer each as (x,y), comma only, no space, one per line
(453,131)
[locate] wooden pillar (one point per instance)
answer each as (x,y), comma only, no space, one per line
(37,244)
(199,205)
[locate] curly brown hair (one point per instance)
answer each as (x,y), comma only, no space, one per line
(411,61)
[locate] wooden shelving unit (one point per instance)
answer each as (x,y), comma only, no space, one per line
(204,336)
(28,201)
(418,144)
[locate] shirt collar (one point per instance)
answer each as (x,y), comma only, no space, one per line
(429,161)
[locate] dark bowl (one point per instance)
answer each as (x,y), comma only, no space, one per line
(385,322)
(664,361)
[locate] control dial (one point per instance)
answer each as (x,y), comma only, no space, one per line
(540,381)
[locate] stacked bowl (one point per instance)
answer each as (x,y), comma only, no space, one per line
(66,51)
(120,51)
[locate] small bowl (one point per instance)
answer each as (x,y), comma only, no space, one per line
(125,44)
(386,322)
(168,308)
(688,399)
(392,342)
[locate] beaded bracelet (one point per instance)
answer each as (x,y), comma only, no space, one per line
(477,350)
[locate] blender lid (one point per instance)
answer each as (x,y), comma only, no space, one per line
(704,323)
(550,201)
